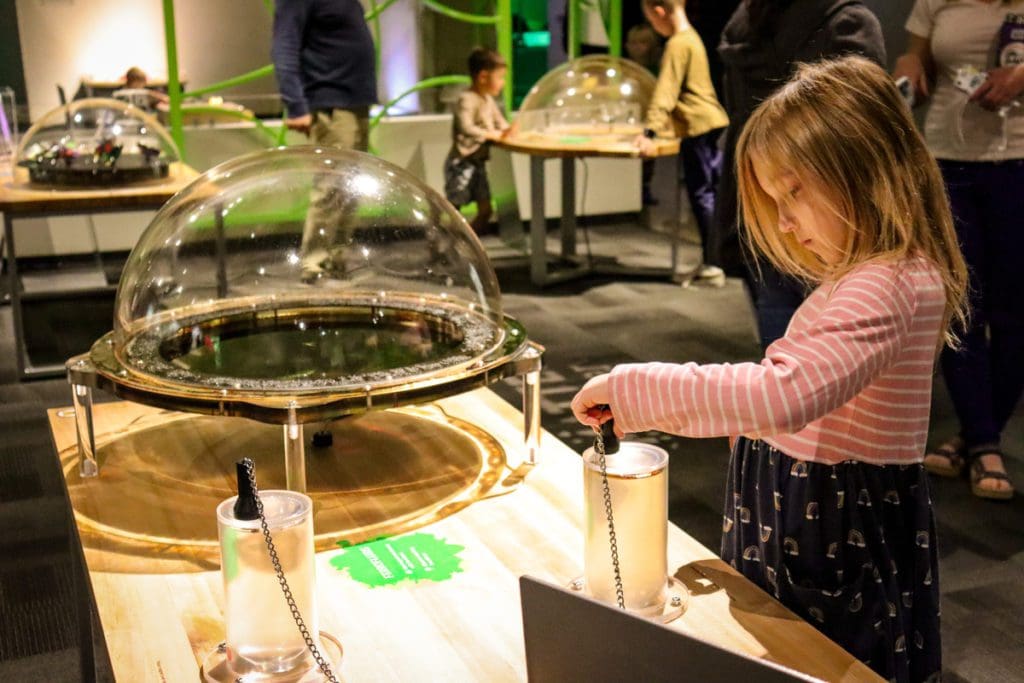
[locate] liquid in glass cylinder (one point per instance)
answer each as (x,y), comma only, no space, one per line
(262,637)
(638,481)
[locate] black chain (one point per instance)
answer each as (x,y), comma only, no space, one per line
(620,596)
(321,661)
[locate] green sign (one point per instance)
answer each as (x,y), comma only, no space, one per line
(389,561)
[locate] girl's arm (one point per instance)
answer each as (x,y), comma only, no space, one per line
(916,64)
(803,377)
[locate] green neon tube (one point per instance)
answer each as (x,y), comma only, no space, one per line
(376,9)
(615,28)
(573,17)
(426,84)
(254,75)
(173,84)
(460,16)
(242,115)
(504,31)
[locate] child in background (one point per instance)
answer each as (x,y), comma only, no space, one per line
(478,121)
(136,79)
(644,47)
(827,506)
(684,105)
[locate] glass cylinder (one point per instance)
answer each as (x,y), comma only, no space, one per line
(8,122)
(638,481)
(262,636)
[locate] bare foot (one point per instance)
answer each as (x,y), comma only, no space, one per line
(988,476)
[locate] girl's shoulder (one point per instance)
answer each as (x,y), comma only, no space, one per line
(916,275)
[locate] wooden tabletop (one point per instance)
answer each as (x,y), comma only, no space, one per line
(19,196)
(582,145)
(160,626)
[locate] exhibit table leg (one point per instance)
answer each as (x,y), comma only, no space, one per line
(568,222)
(221,245)
(81,396)
(676,231)
(14,292)
(531,415)
(294,454)
(538,226)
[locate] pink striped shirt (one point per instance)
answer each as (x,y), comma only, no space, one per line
(851,380)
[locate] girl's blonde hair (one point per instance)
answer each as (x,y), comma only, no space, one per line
(843,129)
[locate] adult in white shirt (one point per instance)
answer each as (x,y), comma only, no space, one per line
(977,134)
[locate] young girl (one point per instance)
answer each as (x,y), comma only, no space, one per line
(827,506)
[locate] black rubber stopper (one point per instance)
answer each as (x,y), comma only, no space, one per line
(611,441)
(323,439)
(245,504)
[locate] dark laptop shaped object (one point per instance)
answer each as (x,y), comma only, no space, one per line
(573,638)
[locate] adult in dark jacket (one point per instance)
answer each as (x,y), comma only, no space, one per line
(760,47)
(325,66)
(326,70)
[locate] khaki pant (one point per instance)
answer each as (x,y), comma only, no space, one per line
(330,220)
(346,128)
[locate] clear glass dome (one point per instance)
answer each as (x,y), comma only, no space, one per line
(305,269)
(597,94)
(96,142)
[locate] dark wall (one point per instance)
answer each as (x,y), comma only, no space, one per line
(12,73)
(892,14)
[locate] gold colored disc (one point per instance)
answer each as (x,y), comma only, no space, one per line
(152,507)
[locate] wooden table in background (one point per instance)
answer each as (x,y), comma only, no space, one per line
(568,148)
(21,199)
(160,626)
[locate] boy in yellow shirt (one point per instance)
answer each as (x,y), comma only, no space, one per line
(685,105)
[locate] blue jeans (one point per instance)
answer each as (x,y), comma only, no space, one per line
(986,376)
(700,162)
(776,298)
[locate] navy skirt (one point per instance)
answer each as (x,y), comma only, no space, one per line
(848,547)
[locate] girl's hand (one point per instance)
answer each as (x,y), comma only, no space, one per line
(590,405)
(911,66)
(1002,86)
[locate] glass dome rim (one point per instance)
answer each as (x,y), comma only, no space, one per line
(98,102)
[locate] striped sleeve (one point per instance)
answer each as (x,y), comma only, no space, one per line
(807,374)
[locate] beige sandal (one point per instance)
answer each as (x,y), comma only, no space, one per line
(980,474)
(948,460)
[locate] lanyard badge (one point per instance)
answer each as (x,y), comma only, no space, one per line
(1011,41)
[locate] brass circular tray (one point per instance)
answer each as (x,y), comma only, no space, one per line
(386,473)
(219,361)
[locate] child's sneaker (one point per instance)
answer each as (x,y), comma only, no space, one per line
(712,276)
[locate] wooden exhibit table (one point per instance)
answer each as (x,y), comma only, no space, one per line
(21,199)
(160,626)
(568,148)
